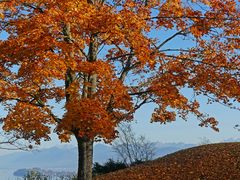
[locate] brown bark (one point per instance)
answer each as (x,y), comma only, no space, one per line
(85,145)
(85,158)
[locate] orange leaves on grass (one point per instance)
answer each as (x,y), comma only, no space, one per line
(212,161)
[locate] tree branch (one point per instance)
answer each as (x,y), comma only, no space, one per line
(200,62)
(192,17)
(170,38)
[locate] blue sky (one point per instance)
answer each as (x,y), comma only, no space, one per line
(189,131)
(181,131)
(178,131)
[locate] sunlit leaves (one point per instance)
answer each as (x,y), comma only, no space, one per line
(90,117)
(102,61)
(28,122)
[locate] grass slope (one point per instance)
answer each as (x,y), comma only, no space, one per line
(212,162)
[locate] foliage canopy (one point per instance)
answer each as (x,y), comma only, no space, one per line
(105,59)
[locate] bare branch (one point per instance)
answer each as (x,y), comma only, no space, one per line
(12,143)
(200,62)
(192,17)
(121,56)
(131,148)
(170,38)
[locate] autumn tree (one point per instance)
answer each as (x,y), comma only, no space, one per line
(132,149)
(104,59)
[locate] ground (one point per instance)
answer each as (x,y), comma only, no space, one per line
(212,162)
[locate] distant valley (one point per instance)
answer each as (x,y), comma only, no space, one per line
(66,156)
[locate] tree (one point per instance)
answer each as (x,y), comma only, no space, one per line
(34,175)
(131,148)
(204,141)
(104,59)
(40,174)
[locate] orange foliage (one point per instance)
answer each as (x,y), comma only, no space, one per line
(103,60)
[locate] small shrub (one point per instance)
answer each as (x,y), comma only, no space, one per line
(109,166)
(137,162)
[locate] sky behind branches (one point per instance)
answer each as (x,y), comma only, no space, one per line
(178,131)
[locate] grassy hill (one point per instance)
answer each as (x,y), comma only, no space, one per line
(212,162)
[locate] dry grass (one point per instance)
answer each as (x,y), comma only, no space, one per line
(214,161)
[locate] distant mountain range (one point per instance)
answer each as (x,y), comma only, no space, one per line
(66,156)
(163,149)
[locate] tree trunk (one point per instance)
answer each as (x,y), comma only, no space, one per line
(85,158)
